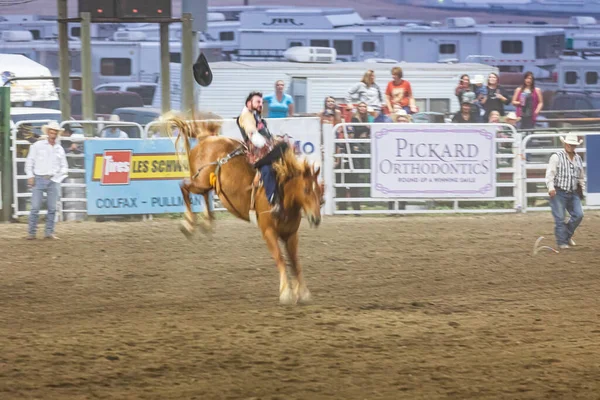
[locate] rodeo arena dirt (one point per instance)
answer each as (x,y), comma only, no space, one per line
(446,284)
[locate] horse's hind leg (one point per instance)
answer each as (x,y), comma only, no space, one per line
(299,288)
(189,222)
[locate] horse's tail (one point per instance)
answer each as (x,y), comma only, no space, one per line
(185,132)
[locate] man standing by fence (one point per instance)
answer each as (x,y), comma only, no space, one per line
(46,167)
(565,180)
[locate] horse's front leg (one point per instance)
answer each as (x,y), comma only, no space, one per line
(299,288)
(285,293)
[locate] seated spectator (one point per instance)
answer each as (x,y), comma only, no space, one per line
(365,91)
(512,119)
(362,116)
(113,132)
(403,117)
(465,115)
(494,117)
(278,104)
(399,95)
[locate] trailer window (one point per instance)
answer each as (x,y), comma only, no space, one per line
(35,33)
(510,68)
(570,77)
(226,36)
(447,48)
(296,44)
(175,58)
(319,43)
(439,105)
(343,47)
(369,47)
(512,47)
(549,46)
(115,66)
(591,78)
(76,31)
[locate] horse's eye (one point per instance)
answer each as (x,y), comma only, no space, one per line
(306,190)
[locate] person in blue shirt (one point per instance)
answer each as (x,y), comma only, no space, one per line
(279,104)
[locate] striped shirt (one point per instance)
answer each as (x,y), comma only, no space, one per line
(564,173)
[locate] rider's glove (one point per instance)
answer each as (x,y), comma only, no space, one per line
(258,140)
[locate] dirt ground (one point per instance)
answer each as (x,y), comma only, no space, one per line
(403,308)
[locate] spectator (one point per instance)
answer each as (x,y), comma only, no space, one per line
(494,117)
(464,85)
(465,115)
(494,99)
(399,95)
(366,91)
(278,104)
(112,132)
(512,119)
(529,102)
(480,93)
(362,116)
(403,117)
(330,113)
(46,167)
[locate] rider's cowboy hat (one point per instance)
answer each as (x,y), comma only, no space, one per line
(571,139)
(52,125)
(202,72)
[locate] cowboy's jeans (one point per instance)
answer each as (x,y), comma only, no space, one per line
(52,190)
(572,203)
(269,182)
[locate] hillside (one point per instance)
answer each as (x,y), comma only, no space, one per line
(389,8)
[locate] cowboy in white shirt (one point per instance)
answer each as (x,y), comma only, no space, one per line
(46,167)
(565,180)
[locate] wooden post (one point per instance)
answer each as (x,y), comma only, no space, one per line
(165,71)
(86,73)
(64,61)
(187,63)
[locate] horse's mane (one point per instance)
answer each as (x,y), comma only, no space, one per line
(289,166)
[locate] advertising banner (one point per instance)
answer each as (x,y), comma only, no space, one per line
(433,161)
(134,176)
(592,158)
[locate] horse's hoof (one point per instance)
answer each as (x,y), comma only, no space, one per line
(304,297)
(287,297)
(186,229)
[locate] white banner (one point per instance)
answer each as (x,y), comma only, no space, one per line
(304,133)
(433,161)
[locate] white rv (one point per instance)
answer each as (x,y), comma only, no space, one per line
(128,57)
(27,92)
(309,83)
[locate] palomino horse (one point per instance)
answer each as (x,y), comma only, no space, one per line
(219,163)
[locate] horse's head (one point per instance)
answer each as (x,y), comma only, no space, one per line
(305,192)
(301,188)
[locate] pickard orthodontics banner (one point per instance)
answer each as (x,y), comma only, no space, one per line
(452,161)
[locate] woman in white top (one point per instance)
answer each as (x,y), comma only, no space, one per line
(365,91)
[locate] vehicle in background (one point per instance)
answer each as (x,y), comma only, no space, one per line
(26,92)
(105,102)
(584,106)
(139,115)
(144,89)
(18,114)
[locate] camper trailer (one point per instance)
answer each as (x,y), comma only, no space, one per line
(309,83)
(27,92)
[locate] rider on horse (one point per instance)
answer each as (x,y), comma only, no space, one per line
(260,145)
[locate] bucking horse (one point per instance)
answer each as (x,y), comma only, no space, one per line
(219,163)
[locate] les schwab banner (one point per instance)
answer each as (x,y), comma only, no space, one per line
(137,176)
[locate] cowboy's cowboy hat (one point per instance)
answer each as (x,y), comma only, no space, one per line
(202,72)
(52,125)
(571,139)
